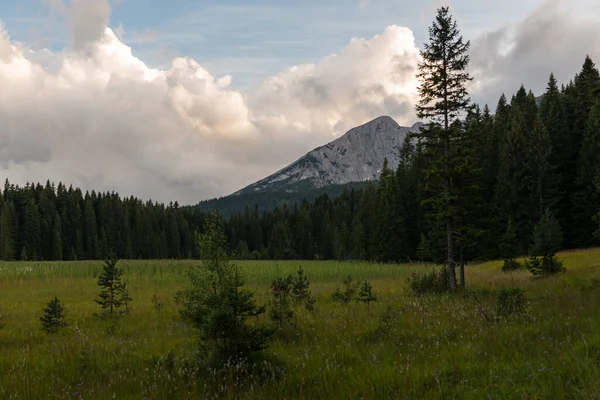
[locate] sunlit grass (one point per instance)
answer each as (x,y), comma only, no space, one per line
(430,347)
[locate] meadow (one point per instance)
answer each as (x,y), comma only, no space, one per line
(433,347)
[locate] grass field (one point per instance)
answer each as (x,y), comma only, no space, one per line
(433,347)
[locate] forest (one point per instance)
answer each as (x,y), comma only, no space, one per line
(531,156)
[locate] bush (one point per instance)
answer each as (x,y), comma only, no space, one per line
(54,316)
(547,240)
(510,265)
(511,302)
(281,289)
(366,295)
(300,292)
(349,292)
(433,282)
(548,264)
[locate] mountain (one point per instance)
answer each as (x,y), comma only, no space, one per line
(357,156)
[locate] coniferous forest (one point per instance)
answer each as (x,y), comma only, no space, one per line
(526,158)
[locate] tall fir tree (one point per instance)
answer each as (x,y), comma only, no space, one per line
(586,199)
(443,99)
(7,231)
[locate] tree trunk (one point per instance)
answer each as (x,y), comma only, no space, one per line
(450,256)
(449,242)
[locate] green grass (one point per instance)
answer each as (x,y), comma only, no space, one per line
(434,347)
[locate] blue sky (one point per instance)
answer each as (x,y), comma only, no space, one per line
(149,111)
(251,40)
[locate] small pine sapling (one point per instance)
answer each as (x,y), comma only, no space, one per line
(366,295)
(125,298)
(54,316)
(281,288)
(547,240)
(349,291)
(111,293)
(300,292)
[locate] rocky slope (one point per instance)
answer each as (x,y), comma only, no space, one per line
(356,156)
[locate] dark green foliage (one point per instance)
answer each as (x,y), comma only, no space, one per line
(7,231)
(509,248)
(547,240)
(281,291)
(443,97)
(366,295)
(433,282)
(218,306)
(54,316)
(113,293)
(511,302)
(500,170)
(300,290)
(350,287)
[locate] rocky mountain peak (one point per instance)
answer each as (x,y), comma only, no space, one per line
(354,157)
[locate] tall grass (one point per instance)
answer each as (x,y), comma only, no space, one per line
(432,347)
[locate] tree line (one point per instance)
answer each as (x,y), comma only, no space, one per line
(529,158)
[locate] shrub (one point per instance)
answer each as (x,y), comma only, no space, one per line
(547,264)
(349,292)
(547,240)
(433,282)
(511,302)
(300,292)
(281,289)
(510,265)
(366,295)
(54,316)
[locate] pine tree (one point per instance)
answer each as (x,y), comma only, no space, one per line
(216,303)
(547,240)
(281,289)
(509,248)
(542,180)
(54,316)
(57,247)
(7,231)
(90,231)
(366,295)
(111,286)
(553,115)
(443,98)
(586,199)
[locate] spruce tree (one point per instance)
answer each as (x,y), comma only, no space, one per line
(57,247)
(217,304)
(111,287)
(366,295)
(54,316)
(542,180)
(7,231)
(547,240)
(586,199)
(553,115)
(443,99)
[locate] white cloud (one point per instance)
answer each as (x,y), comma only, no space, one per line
(96,116)
(551,39)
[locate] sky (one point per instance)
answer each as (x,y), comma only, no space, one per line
(192,99)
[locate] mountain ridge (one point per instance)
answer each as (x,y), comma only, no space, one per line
(356,156)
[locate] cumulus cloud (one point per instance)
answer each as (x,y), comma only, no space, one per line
(550,39)
(97,116)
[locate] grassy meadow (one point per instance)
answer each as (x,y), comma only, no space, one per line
(433,347)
